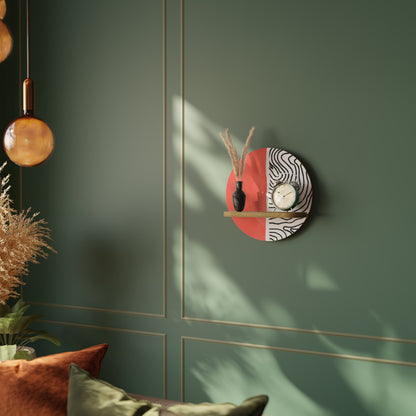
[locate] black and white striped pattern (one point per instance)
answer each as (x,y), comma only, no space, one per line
(282,166)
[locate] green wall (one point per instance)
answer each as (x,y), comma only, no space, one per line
(192,308)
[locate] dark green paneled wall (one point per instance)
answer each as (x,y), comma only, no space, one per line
(136,92)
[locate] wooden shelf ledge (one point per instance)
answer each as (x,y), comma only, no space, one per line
(262,214)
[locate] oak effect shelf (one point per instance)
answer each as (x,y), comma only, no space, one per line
(263,214)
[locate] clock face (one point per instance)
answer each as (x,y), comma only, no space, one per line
(285,196)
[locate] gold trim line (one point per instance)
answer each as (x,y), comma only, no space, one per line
(164,162)
(302,351)
(127,331)
(182,159)
(105,328)
(91,308)
(304,331)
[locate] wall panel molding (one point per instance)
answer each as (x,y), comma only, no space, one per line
(184,339)
(183,254)
(163,314)
(161,335)
(305,331)
(90,308)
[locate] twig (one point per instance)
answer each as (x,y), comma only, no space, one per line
(245,150)
(237,163)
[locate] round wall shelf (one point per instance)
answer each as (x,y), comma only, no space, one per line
(264,170)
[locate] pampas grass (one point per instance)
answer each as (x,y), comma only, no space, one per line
(23,239)
(237,163)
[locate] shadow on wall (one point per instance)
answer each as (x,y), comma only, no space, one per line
(300,384)
(114,258)
(222,283)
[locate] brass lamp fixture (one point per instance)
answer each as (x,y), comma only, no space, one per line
(6,41)
(28,141)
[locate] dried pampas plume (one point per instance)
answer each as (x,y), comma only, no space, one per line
(238,164)
(22,241)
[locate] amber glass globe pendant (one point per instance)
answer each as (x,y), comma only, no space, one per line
(28,141)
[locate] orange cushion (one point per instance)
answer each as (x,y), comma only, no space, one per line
(40,387)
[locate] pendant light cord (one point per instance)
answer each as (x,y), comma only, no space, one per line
(27,41)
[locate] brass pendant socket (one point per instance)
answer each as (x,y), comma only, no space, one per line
(28,96)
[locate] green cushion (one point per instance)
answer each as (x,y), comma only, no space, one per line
(253,406)
(88,396)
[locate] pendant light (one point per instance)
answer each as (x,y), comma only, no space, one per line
(6,41)
(28,141)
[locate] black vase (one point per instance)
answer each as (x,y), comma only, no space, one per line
(239,197)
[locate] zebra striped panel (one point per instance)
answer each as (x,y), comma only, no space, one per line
(282,166)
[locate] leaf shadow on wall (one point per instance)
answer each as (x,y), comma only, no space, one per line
(291,284)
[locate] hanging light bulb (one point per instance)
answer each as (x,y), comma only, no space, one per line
(6,41)
(28,141)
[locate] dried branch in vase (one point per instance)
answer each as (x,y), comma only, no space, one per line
(23,239)
(237,163)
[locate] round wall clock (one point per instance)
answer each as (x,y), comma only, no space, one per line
(286,195)
(278,195)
